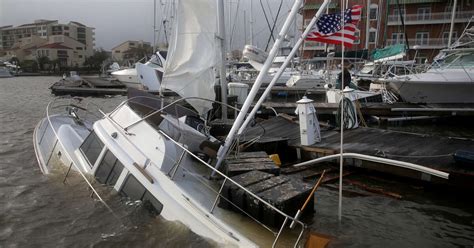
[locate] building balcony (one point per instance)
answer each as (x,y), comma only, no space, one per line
(431,43)
(431,18)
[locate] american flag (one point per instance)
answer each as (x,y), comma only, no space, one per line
(328,28)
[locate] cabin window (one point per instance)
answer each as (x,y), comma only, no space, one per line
(134,190)
(109,169)
(91,147)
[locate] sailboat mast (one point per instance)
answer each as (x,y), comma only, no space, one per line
(251,22)
(452,22)
(154,26)
(221,154)
(287,61)
(221,37)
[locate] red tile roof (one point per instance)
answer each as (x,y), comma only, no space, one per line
(56,45)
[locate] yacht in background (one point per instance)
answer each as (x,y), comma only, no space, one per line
(449,79)
(129,77)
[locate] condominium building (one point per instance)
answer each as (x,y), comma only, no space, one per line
(23,40)
(426,25)
(121,52)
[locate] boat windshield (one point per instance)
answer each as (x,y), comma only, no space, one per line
(458,60)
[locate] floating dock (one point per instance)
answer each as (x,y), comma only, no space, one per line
(383,109)
(262,177)
(427,150)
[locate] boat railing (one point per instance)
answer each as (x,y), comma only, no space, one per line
(73,109)
(68,103)
(226,180)
(219,195)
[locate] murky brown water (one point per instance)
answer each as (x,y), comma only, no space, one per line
(40,211)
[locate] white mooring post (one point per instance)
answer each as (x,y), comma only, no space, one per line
(309,124)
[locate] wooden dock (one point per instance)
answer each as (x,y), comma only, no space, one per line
(95,86)
(426,150)
(261,176)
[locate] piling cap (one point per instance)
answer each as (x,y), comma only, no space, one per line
(347,89)
(304,100)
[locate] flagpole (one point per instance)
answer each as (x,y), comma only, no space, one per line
(341,158)
(284,65)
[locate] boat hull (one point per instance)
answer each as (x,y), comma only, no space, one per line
(437,85)
(128,77)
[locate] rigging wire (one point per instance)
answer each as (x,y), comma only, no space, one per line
(266,19)
(274,24)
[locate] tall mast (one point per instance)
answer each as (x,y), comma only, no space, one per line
(154,26)
(221,154)
(221,37)
(453,14)
(251,22)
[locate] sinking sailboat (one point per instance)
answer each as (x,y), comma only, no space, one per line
(156,152)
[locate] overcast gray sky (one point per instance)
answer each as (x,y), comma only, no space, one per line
(118,20)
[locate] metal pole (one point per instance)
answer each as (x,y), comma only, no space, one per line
(221,37)
(251,22)
(453,14)
(154,26)
(341,159)
(256,86)
(367,25)
(284,65)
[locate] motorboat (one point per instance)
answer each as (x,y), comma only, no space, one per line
(449,79)
(5,73)
(129,76)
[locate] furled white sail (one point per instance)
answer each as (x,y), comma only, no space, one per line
(193,52)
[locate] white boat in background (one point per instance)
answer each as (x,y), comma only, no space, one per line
(291,77)
(129,76)
(5,73)
(450,78)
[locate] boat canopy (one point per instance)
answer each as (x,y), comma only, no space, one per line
(389,53)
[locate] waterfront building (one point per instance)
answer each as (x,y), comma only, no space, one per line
(124,52)
(53,39)
(426,25)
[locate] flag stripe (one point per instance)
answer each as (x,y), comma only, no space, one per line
(328,28)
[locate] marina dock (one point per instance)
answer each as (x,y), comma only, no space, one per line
(426,150)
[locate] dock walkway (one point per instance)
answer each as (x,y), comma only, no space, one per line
(426,150)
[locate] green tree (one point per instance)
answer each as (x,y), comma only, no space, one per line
(42,61)
(137,53)
(95,61)
(29,65)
